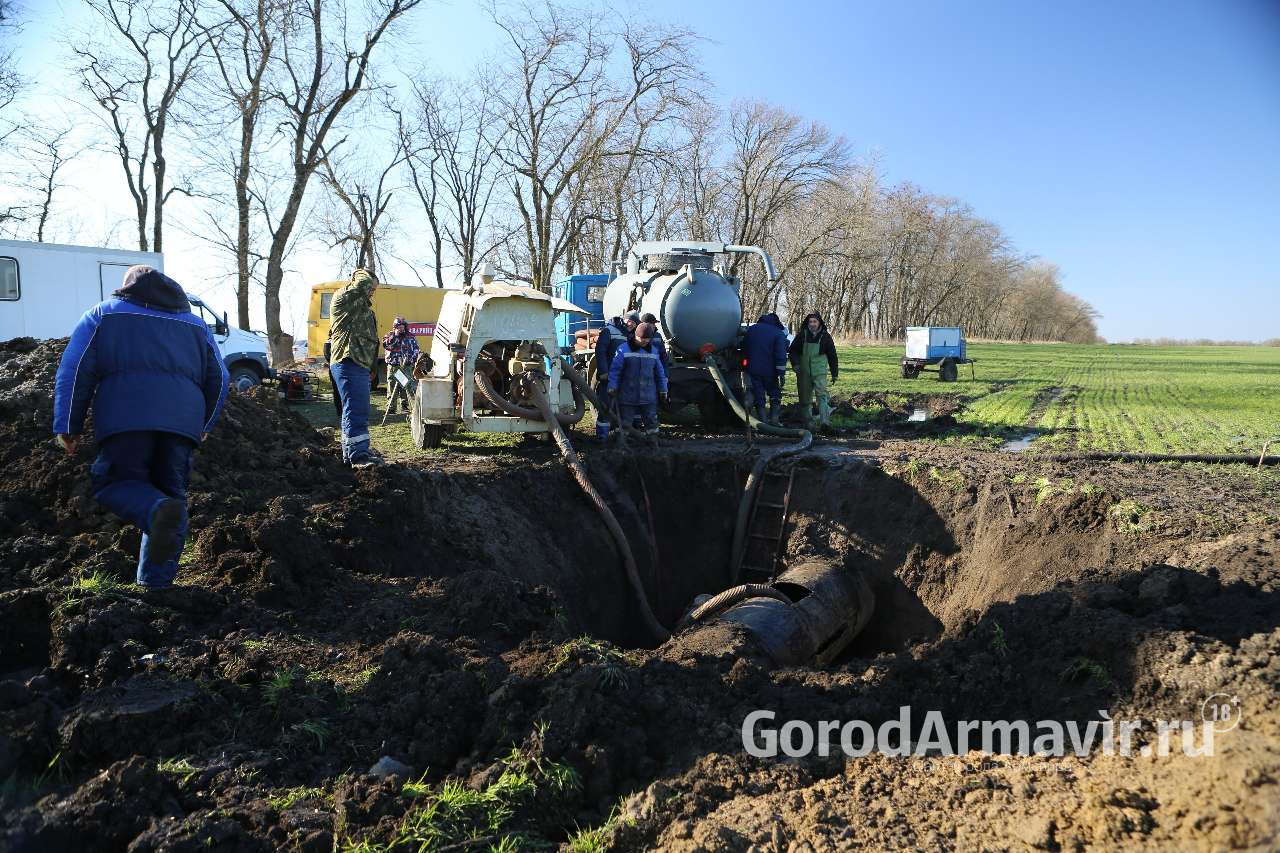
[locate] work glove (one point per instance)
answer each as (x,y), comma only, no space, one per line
(68,443)
(662,395)
(782,378)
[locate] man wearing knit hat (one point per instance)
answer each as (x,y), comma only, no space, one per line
(638,379)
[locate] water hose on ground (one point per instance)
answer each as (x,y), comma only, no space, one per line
(724,600)
(659,633)
(503,404)
(757,471)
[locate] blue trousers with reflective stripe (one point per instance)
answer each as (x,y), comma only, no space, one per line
(134,471)
(643,416)
(353,387)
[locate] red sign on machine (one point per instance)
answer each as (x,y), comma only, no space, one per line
(422,329)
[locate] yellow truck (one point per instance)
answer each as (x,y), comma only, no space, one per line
(419,305)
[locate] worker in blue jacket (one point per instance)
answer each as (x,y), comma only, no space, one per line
(157,384)
(764,346)
(614,334)
(637,380)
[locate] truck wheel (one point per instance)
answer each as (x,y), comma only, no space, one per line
(947,371)
(244,378)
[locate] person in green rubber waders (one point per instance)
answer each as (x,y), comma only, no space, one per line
(812,354)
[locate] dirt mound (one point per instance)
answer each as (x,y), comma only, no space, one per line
(468,618)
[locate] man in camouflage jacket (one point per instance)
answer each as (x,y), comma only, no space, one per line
(354,347)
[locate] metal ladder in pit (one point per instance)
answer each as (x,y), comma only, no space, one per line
(767,526)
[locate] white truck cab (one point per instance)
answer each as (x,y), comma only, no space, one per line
(46,287)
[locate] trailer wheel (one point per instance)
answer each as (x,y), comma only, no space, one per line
(425,436)
(947,371)
(910,371)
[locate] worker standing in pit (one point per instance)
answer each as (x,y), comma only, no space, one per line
(152,372)
(638,380)
(657,340)
(615,333)
(400,351)
(812,353)
(764,347)
(353,336)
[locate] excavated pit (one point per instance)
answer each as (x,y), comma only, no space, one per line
(447,611)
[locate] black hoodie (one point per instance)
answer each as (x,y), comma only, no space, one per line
(150,288)
(826,345)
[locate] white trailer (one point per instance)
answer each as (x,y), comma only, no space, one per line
(488,336)
(45,288)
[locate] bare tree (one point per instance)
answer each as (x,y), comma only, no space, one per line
(41,154)
(11,81)
(320,76)
(779,162)
(363,196)
(565,115)
(137,80)
(243,38)
(451,151)
(51,150)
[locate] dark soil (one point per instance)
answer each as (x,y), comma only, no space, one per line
(470,619)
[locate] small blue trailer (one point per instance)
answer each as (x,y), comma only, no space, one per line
(927,346)
(574,331)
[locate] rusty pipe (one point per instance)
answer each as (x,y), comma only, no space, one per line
(813,612)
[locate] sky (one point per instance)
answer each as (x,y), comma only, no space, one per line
(1134,144)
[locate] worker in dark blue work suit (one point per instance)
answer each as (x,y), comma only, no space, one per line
(615,334)
(765,349)
(637,380)
(156,381)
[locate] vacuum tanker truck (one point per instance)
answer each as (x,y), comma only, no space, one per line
(698,304)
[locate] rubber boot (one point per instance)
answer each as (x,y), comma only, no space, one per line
(775,414)
(759,411)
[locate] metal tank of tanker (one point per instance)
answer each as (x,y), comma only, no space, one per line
(697,304)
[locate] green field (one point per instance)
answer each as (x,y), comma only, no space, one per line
(1113,398)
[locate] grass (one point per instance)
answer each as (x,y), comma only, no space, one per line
(453,814)
(588,651)
(999,645)
(98,583)
(293,796)
(595,839)
(1119,398)
(180,769)
(278,687)
(1085,669)
(1114,398)
(394,440)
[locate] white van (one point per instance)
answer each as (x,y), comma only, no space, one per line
(45,288)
